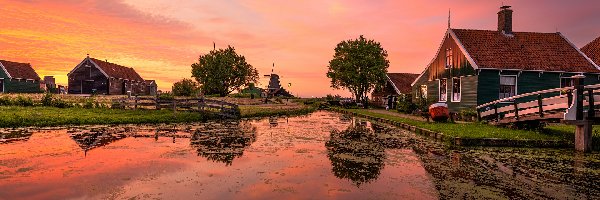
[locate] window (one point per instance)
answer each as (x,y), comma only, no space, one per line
(455,89)
(443,90)
(448,58)
(508,86)
(423,91)
(566,82)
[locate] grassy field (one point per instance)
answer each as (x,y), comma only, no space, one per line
(17,116)
(471,130)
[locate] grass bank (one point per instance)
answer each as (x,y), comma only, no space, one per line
(248,111)
(469,130)
(39,116)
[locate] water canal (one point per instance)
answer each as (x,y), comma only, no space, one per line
(322,155)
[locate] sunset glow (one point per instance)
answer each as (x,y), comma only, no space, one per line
(162,38)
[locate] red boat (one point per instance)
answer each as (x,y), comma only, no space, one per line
(439,112)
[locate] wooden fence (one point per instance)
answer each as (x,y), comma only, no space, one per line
(222,108)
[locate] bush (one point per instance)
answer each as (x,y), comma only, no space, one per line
(89,103)
(185,87)
(24,101)
(59,103)
(166,96)
(47,100)
(6,101)
(407,107)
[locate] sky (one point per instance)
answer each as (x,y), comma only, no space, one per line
(160,39)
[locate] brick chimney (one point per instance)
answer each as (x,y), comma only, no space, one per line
(505,20)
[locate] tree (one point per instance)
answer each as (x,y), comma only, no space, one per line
(185,87)
(358,65)
(222,71)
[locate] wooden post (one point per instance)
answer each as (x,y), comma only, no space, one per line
(156,100)
(578,82)
(591,106)
(478,114)
(174,106)
(540,106)
(496,112)
(136,103)
(516,105)
(583,136)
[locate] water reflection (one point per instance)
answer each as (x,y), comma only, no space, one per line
(13,135)
(356,153)
(97,137)
(223,142)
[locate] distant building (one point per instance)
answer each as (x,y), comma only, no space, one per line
(274,84)
(151,87)
(102,77)
(18,78)
(397,85)
(592,50)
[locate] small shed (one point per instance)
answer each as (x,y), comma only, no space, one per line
(18,78)
(151,87)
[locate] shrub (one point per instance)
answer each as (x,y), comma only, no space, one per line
(166,96)
(24,101)
(89,103)
(47,100)
(59,103)
(407,107)
(6,101)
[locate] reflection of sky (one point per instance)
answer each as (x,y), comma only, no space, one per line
(162,38)
(288,161)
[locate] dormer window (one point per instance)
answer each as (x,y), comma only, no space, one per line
(448,58)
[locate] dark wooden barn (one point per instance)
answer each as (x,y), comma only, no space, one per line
(93,76)
(151,87)
(18,78)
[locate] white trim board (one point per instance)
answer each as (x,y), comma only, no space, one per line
(393,84)
(91,61)
(5,71)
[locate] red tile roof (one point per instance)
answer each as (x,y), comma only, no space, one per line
(523,50)
(20,70)
(118,71)
(402,81)
(592,50)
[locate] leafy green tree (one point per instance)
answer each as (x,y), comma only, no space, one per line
(185,87)
(222,71)
(360,66)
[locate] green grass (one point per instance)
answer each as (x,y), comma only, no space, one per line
(254,111)
(468,130)
(15,116)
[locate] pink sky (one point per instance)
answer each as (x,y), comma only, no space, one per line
(162,38)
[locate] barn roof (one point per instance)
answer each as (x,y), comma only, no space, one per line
(592,50)
(402,81)
(522,51)
(117,71)
(19,70)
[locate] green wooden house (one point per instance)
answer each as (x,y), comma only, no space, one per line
(473,67)
(18,78)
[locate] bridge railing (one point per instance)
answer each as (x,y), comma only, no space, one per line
(544,104)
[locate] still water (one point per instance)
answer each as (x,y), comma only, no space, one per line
(289,158)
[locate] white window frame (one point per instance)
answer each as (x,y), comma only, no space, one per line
(516,84)
(423,93)
(459,89)
(440,90)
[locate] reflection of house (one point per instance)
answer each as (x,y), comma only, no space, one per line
(397,85)
(101,77)
(96,138)
(13,136)
(18,78)
(473,67)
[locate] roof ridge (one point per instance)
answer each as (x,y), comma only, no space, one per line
(468,29)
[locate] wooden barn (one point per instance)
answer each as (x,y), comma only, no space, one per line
(398,84)
(18,78)
(93,76)
(473,67)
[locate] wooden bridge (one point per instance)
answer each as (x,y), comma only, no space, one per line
(222,108)
(574,105)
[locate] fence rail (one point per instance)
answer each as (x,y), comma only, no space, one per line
(222,108)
